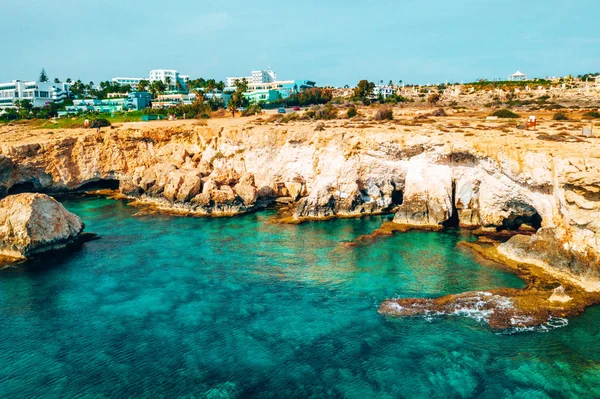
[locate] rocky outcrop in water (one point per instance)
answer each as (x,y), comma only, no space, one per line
(35,223)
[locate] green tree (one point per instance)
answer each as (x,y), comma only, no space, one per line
(168,82)
(210,85)
(69,81)
(143,85)
(363,91)
(241,86)
(232,104)
(157,87)
(24,108)
(56,80)
(43,77)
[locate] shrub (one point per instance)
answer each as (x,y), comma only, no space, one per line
(352,112)
(434,98)
(325,112)
(320,127)
(251,110)
(560,116)
(591,115)
(505,113)
(97,123)
(384,114)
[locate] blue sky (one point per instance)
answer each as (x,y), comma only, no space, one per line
(331,42)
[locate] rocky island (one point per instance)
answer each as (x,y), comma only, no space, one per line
(534,195)
(31,224)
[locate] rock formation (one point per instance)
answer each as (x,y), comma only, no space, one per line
(35,223)
(490,181)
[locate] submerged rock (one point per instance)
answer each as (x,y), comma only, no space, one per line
(35,223)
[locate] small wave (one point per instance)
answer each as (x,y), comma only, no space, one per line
(551,324)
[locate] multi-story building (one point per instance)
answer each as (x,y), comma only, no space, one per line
(277,90)
(38,93)
(138,100)
(171,100)
(133,82)
(384,90)
(260,76)
(169,76)
(94,105)
(156,74)
(230,81)
(264,76)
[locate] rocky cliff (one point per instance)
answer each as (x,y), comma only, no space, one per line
(35,223)
(428,176)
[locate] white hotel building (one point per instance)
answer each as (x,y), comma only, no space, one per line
(38,93)
(154,75)
(133,82)
(260,76)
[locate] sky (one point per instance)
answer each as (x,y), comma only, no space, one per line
(328,41)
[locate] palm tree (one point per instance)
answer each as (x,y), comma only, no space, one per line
(210,85)
(143,85)
(56,80)
(68,80)
(168,82)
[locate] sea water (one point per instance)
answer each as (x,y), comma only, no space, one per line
(240,307)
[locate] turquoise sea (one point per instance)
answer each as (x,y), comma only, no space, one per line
(167,307)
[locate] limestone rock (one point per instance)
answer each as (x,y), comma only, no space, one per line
(427,195)
(189,188)
(247,193)
(34,223)
(223,195)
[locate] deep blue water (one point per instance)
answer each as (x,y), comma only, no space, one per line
(189,307)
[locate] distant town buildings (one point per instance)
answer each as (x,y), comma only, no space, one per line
(168,76)
(38,93)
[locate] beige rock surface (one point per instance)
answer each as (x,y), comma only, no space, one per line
(34,223)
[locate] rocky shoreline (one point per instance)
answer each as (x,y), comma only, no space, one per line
(429,177)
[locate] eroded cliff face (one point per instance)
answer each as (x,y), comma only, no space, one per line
(426,178)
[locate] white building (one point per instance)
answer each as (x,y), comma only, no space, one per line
(230,81)
(385,91)
(260,76)
(38,93)
(133,82)
(154,75)
(172,75)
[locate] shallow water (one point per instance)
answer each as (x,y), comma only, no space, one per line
(187,307)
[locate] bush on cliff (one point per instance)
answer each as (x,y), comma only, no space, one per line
(325,112)
(560,116)
(434,98)
(591,115)
(97,123)
(384,114)
(251,110)
(352,112)
(505,113)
